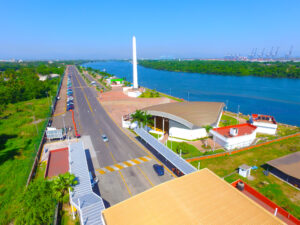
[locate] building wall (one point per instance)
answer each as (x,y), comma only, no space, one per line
(180,131)
(265,128)
(234,142)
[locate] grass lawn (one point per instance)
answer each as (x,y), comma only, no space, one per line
(286,130)
(155,135)
(192,151)
(227,121)
(150,94)
(18,143)
(281,193)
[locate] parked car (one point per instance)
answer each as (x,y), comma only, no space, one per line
(159,169)
(104,138)
(69,107)
(70,98)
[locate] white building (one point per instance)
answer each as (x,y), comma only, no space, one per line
(185,120)
(265,124)
(245,170)
(236,136)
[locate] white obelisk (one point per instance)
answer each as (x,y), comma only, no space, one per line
(134,62)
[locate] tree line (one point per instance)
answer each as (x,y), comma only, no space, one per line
(238,68)
(20,82)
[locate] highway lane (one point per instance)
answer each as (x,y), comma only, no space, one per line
(94,121)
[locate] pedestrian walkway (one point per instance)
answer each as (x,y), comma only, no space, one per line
(123,165)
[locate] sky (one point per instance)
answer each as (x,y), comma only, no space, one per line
(100,29)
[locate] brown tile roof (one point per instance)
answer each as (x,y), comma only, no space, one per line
(197,198)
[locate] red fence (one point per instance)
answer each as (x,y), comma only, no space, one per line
(267,201)
(75,128)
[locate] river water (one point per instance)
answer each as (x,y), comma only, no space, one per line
(270,96)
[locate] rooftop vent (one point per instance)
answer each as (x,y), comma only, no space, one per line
(234,132)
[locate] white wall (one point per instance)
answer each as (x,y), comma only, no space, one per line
(265,128)
(234,142)
(187,133)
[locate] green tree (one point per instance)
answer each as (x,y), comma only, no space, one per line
(36,204)
(61,186)
(142,118)
(184,147)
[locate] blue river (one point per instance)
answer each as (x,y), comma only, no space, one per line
(271,96)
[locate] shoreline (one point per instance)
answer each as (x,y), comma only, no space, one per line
(182,99)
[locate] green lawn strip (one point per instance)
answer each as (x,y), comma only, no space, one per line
(18,144)
(281,193)
(171,97)
(155,135)
(283,130)
(191,150)
(227,121)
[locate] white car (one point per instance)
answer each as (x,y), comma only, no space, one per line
(70,98)
(104,138)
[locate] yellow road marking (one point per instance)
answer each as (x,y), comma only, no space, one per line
(85,95)
(127,164)
(58,114)
(101,171)
(121,175)
(142,158)
(109,168)
(145,175)
(135,161)
(139,144)
(119,166)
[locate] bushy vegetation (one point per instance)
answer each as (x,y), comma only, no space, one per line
(23,120)
(22,82)
(150,94)
(265,69)
(19,139)
(36,204)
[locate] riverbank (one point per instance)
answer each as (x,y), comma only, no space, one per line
(279,97)
(237,68)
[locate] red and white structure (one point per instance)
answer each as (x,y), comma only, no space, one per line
(265,124)
(236,136)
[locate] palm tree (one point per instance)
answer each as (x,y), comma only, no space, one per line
(61,185)
(138,117)
(142,118)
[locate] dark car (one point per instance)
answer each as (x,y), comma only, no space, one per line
(50,123)
(69,107)
(159,169)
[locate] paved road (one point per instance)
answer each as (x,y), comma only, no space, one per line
(93,122)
